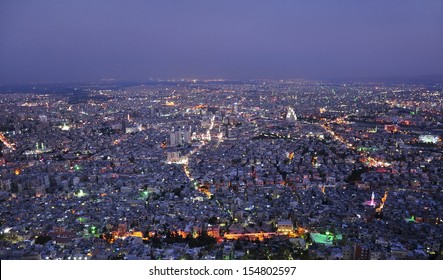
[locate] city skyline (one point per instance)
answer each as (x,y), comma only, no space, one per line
(65,41)
(222,170)
(233,130)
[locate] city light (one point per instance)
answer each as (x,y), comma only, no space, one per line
(193,170)
(6,142)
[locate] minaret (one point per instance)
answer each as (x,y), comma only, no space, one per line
(372,199)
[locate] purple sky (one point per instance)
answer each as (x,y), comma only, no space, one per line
(88,40)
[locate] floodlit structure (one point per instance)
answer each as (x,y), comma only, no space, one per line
(290,115)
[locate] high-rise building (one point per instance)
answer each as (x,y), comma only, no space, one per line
(152,112)
(235,109)
(187,136)
(124,126)
(176,138)
(173,141)
(361,252)
(179,137)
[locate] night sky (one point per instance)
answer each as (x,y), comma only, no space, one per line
(89,40)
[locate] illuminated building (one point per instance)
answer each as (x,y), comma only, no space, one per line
(214,231)
(361,252)
(235,109)
(285,226)
(175,138)
(40,190)
(428,139)
(43,118)
(173,156)
(65,127)
(371,202)
(290,115)
(325,239)
(393,128)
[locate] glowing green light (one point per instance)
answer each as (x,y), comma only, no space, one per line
(412,219)
(322,238)
(144,194)
(77,167)
(80,193)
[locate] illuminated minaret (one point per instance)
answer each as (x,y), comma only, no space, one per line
(372,199)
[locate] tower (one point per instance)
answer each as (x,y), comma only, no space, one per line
(235,109)
(124,126)
(290,115)
(179,137)
(187,136)
(173,138)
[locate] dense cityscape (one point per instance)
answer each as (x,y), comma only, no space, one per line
(218,169)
